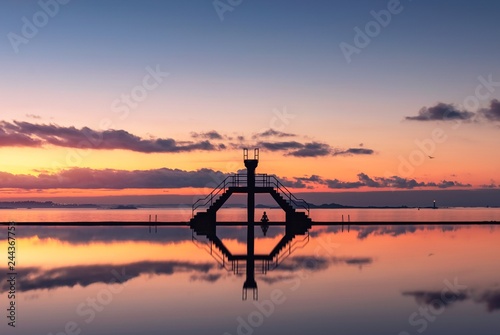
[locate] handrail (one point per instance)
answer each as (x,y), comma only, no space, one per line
(298,202)
(240,267)
(218,257)
(261,180)
(289,249)
(227,182)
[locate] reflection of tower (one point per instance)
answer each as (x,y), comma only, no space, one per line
(204,223)
(251,165)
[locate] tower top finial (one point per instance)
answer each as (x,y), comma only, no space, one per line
(255,154)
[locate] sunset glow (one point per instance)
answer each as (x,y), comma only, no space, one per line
(168,105)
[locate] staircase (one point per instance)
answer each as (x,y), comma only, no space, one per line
(297,210)
(204,210)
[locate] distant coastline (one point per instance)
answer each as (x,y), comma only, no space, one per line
(51,204)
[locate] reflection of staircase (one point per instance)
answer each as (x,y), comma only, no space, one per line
(204,223)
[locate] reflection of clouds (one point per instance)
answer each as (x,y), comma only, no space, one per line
(207,277)
(354,260)
(36,278)
(89,234)
(285,271)
(310,263)
(436,297)
(490,297)
(272,279)
(313,263)
(84,235)
(396,230)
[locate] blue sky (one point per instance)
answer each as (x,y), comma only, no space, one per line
(231,76)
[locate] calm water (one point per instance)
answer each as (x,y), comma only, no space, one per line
(184,214)
(385,279)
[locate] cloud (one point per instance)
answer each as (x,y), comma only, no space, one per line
(297,149)
(312,179)
(367,181)
(33,278)
(353,151)
(29,134)
(337,184)
(85,178)
(448,184)
(493,112)
(211,135)
(313,149)
(297,183)
(392,182)
(398,182)
(448,112)
(280,146)
(33,116)
(273,133)
(9,139)
(441,112)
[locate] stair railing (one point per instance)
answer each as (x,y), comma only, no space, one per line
(261,180)
(211,249)
(265,180)
(230,181)
(289,249)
